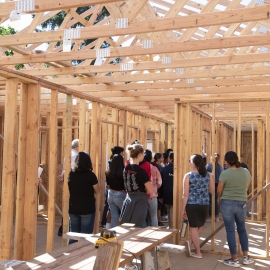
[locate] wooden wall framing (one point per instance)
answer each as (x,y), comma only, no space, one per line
(99,127)
(224,138)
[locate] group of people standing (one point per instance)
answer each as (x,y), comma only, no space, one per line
(134,188)
(230,187)
(137,187)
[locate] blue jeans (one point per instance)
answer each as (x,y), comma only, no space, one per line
(233,212)
(115,201)
(152,210)
(81,224)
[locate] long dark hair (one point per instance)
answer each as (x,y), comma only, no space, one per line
(232,158)
(116,167)
(147,155)
(157,156)
(199,163)
(82,163)
(171,155)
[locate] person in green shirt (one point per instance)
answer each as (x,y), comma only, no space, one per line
(232,190)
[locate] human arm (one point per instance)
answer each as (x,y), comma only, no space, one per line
(39,181)
(149,189)
(220,189)
(159,179)
(185,194)
(96,189)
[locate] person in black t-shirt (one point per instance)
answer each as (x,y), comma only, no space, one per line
(137,185)
(82,184)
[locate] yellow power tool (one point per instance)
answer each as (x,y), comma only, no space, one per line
(105,237)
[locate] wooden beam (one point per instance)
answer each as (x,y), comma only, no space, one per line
(172,85)
(44,6)
(162,76)
(52,170)
(30,190)
(191,45)
(154,65)
(223,98)
(63,89)
(20,191)
(67,142)
(183,91)
(9,171)
(147,26)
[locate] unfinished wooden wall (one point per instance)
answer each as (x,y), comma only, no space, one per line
(189,132)
(44,137)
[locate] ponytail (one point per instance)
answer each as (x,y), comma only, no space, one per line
(199,163)
(238,164)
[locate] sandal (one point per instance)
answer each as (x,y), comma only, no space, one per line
(195,255)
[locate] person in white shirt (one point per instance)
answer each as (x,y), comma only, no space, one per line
(74,153)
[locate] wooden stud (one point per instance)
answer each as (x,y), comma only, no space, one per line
(170,143)
(253,167)
(115,127)
(18,241)
(178,188)
(239,131)
(9,172)
(260,168)
(31,167)
(234,135)
(123,129)
(95,154)
(143,132)
(82,127)
(105,153)
(66,143)
(76,131)
(52,170)
(87,130)
(157,137)
(213,148)
(267,160)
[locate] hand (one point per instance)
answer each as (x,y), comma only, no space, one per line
(161,200)
(60,177)
(39,181)
(184,213)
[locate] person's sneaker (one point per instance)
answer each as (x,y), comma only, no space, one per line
(247,260)
(164,218)
(231,262)
(131,267)
(217,219)
(160,224)
(208,220)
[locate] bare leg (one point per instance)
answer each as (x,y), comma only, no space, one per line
(194,232)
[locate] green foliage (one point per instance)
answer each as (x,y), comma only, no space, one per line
(4,31)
